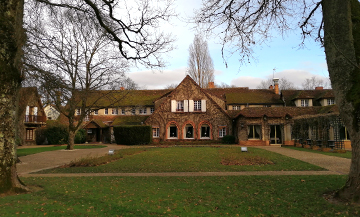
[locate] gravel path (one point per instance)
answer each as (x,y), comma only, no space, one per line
(51,159)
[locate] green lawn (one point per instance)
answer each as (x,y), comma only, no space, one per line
(28,151)
(344,155)
(193,159)
(179,196)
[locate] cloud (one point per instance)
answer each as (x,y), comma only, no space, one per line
(158,80)
(296,76)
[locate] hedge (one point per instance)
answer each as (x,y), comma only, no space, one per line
(80,136)
(133,135)
(40,137)
(228,139)
(57,135)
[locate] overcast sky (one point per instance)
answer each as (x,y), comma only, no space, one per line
(280,55)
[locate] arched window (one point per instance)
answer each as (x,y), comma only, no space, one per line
(188,131)
(205,131)
(172,131)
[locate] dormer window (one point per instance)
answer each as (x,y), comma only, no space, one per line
(304,103)
(78,111)
(236,107)
(330,101)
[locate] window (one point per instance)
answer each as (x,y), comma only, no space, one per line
(145,111)
(151,110)
(254,132)
(78,111)
(123,111)
(344,134)
(115,111)
(141,111)
(197,105)
(133,111)
(205,132)
(106,111)
(222,131)
(236,107)
(304,103)
(155,132)
(189,131)
(266,105)
(330,101)
(87,118)
(29,134)
(96,111)
(173,133)
(179,106)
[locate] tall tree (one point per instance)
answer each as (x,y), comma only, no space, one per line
(134,27)
(200,64)
(249,22)
(70,56)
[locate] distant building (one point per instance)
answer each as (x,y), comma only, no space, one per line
(51,112)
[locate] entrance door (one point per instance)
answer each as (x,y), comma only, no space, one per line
(275,134)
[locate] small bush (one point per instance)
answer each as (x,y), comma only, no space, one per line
(133,135)
(57,135)
(228,139)
(80,137)
(40,136)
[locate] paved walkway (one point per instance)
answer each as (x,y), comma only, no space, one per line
(47,160)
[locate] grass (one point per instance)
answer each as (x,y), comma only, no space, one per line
(179,196)
(28,151)
(344,155)
(194,159)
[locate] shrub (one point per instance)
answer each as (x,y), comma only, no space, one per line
(228,139)
(40,136)
(80,136)
(133,135)
(57,135)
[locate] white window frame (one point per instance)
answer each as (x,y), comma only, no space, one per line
(123,111)
(304,103)
(106,111)
(156,132)
(152,110)
(115,111)
(145,111)
(197,105)
(180,106)
(222,131)
(96,111)
(330,101)
(236,107)
(133,111)
(78,111)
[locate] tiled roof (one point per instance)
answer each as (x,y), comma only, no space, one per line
(130,120)
(277,112)
(290,95)
(121,98)
(245,95)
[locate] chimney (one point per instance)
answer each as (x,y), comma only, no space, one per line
(276,85)
(271,87)
(319,88)
(122,88)
(211,84)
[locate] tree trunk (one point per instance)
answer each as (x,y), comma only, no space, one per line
(70,145)
(11,42)
(344,75)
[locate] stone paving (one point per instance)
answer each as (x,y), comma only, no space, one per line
(51,159)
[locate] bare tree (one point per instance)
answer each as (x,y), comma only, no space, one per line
(244,23)
(171,86)
(224,85)
(284,84)
(200,64)
(313,82)
(135,28)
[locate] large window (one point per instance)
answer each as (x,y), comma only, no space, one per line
(205,132)
(179,106)
(197,105)
(29,134)
(155,132)
(222,131)
(304,103)
(254,132)
(189,131)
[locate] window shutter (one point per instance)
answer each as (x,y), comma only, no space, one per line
(203,105)
(27,110)
(173,105)
(35,111)
(186,105)
(191,105)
